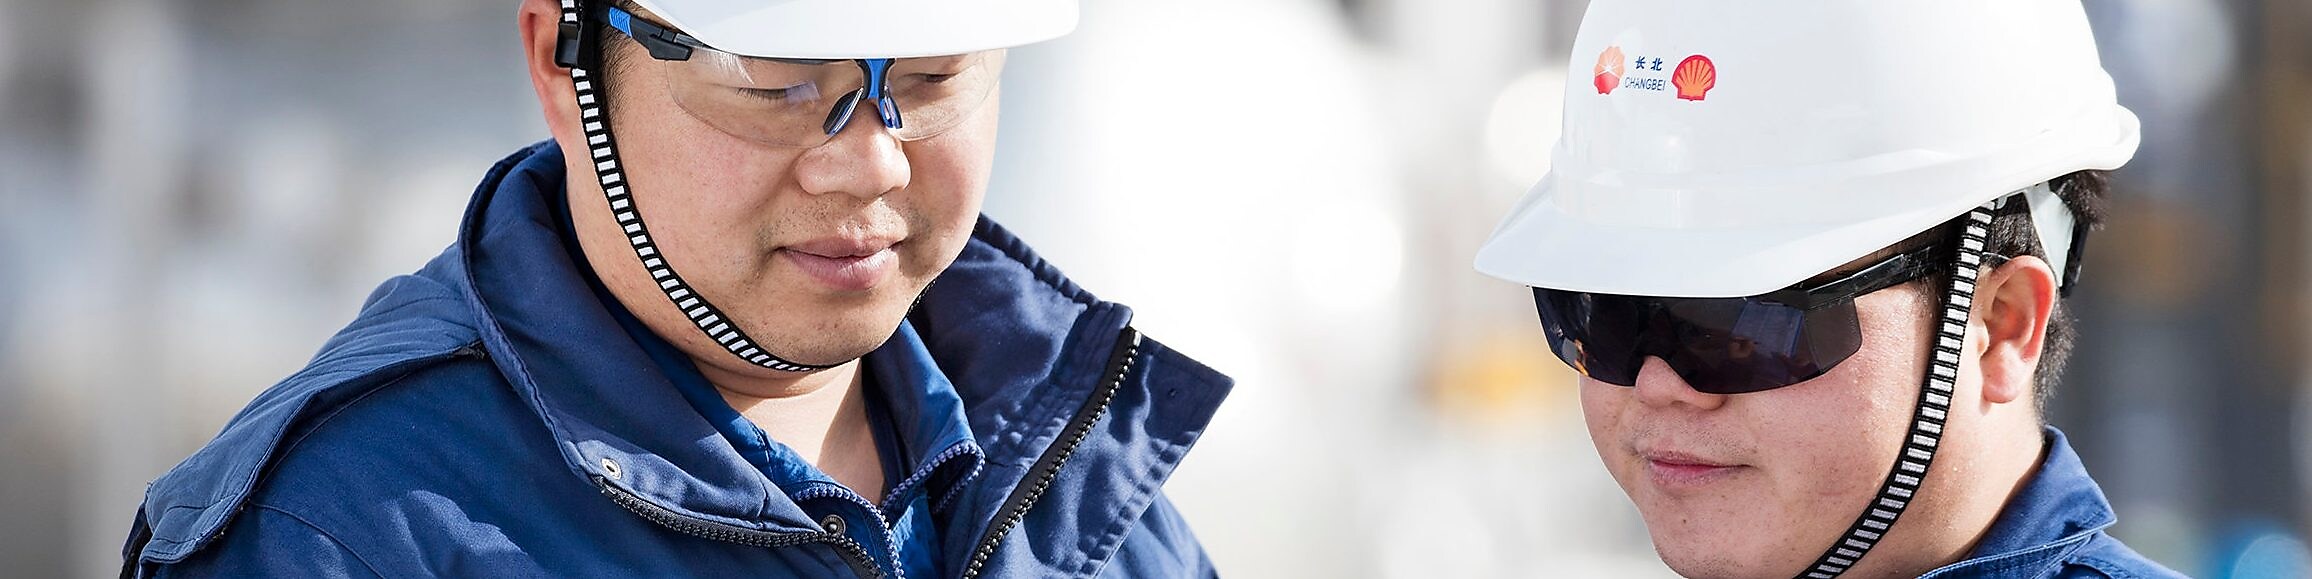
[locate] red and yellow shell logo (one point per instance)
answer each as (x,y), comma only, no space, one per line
(1694,77)
(1608,73)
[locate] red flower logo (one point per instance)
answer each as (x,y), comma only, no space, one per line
(1608,73)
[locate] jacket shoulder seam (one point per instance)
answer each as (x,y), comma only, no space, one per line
(164,570)
(325,534)
(333,379)
(252,483)
(321,421)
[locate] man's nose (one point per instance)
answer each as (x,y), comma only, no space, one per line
(862,159)
(1658,385)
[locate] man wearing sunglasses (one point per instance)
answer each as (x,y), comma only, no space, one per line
(696,334)
(1809,261)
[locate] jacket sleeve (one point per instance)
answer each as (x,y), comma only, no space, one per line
(268,542)
(1162,546)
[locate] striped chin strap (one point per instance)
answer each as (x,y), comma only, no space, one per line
(1934,407)
(706,316)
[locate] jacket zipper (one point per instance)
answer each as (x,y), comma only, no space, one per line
(883,525)
(860,561)
(1047,467)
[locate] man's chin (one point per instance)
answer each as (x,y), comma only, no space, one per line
(1702,552)
(829,346)
(830,357)
(1712,567)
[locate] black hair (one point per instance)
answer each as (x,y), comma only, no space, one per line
(2087,193)
(615,51)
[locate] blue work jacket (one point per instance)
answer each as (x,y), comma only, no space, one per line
(2054,527)
(485,416)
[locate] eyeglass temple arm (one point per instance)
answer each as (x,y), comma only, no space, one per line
(662,42)
(1868,280)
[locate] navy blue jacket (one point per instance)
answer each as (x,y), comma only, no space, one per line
(486,417)
(2054,527)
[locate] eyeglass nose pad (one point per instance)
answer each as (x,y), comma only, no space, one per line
(841,116)
(890,111)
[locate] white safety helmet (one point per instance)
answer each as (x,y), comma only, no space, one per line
(848,29)
(1726,149)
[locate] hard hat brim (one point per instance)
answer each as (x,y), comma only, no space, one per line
(851,29)
(1543,244)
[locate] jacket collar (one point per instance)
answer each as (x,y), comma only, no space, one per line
(615,417)
(2061,507)
(931,439)
(1022,345)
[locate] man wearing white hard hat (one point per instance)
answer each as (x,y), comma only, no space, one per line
(1809,259)
(696,334)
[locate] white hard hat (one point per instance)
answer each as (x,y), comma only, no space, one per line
(846,29)
(1726,149)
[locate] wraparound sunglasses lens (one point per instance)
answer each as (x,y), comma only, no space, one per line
(1720,345)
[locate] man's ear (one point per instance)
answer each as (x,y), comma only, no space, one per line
(2013,304)
(541,23)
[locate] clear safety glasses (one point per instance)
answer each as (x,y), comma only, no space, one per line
(803,102)
(1722,345)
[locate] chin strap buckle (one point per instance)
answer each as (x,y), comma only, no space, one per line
(571,36)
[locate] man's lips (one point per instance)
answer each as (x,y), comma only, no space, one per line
(845,246)
(845,263)
(1669,468)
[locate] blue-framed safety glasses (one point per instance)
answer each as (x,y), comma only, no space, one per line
(804,102)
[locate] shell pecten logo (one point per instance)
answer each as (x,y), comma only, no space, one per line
(1695,76)
(1608,73)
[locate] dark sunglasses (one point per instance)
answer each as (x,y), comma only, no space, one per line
(1723,345)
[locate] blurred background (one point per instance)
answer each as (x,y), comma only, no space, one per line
(195,193)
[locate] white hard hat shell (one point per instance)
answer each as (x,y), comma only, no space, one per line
(1730,149)
(846,29)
